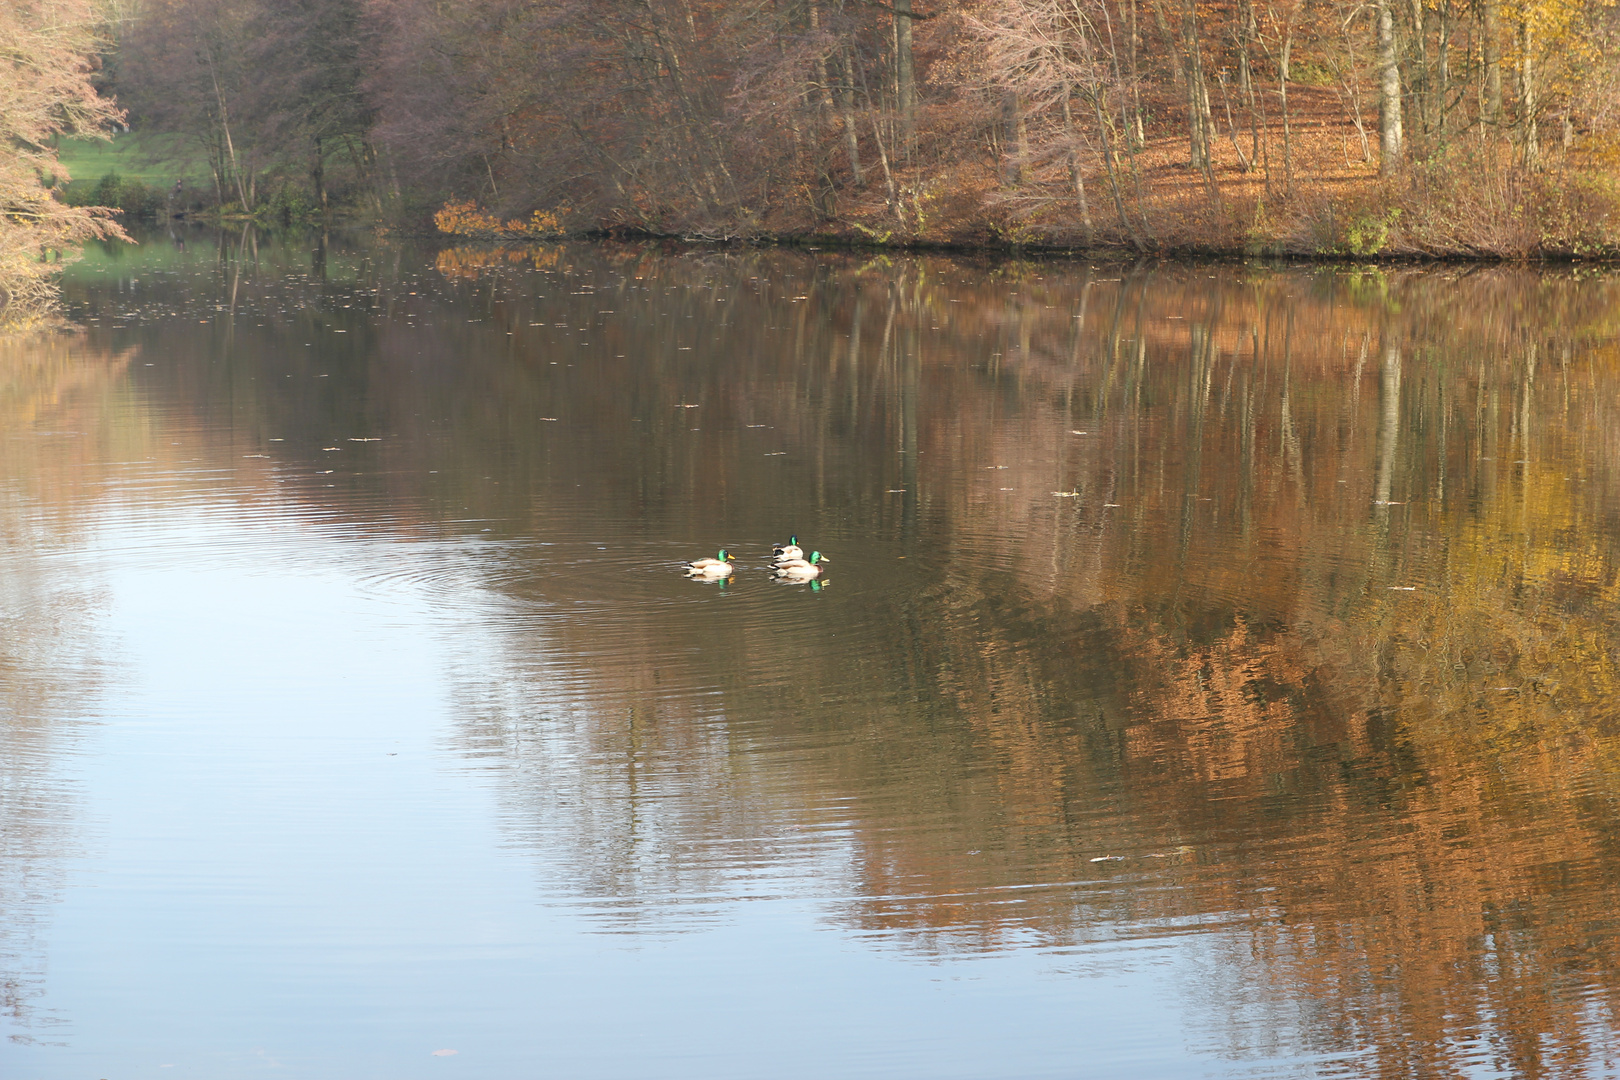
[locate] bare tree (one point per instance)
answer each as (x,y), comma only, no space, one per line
(1053,53)
(47,59)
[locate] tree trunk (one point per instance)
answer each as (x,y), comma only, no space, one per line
(825,107)
(1013,148)
(1170,49)
(230,145)
(1417,80)
(905,75)
(823,81)
(1075,173)
(1491,58)
(1443,77)
(1248,31)
(1350,83)
(846,104)
(1199,122)
(889,187)
(317,174)
(1113,174)
(1231,125)
(1136,136)
(1282,104)
(1527,96)
(1389,94)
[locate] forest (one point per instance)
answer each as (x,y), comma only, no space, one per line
(1343,128)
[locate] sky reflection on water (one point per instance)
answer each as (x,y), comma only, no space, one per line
(1213,676)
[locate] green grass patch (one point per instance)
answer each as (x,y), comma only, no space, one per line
(154,160)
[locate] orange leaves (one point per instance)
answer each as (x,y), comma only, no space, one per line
(465,218)
(469,262)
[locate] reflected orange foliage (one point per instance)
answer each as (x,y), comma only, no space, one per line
(470,262)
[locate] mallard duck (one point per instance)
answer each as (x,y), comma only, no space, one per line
(711,568)
(802,569)
(789,550)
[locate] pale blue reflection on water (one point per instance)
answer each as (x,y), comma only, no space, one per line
(289,872)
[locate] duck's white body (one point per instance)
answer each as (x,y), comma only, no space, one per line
(802,569)
(710,568)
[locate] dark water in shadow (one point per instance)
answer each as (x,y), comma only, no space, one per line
(1214,675)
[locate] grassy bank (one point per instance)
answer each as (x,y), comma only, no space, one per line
(156,160)
(136,172)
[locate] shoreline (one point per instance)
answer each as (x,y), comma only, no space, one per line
(1111,252)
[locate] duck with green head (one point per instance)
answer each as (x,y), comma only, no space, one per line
(802,569)
(711,568)
(788,551)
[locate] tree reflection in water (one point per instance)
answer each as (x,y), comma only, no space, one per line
(1263,610)
(1321,646)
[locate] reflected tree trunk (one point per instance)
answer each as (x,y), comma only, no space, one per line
(1389,427)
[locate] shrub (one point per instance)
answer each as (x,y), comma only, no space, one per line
(468,220)
(291,204)
(131,197)
(1367,232)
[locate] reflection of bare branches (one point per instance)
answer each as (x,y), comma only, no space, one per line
(1218,646)
(641,802)
(51,660)
(1366,751)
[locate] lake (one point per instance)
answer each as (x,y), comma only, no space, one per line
(1214,672)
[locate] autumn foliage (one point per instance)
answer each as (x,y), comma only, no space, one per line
(47,52)
(1319,127)
(1310,126)
(465,219)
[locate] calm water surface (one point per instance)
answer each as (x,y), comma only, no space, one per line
(1215,674)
